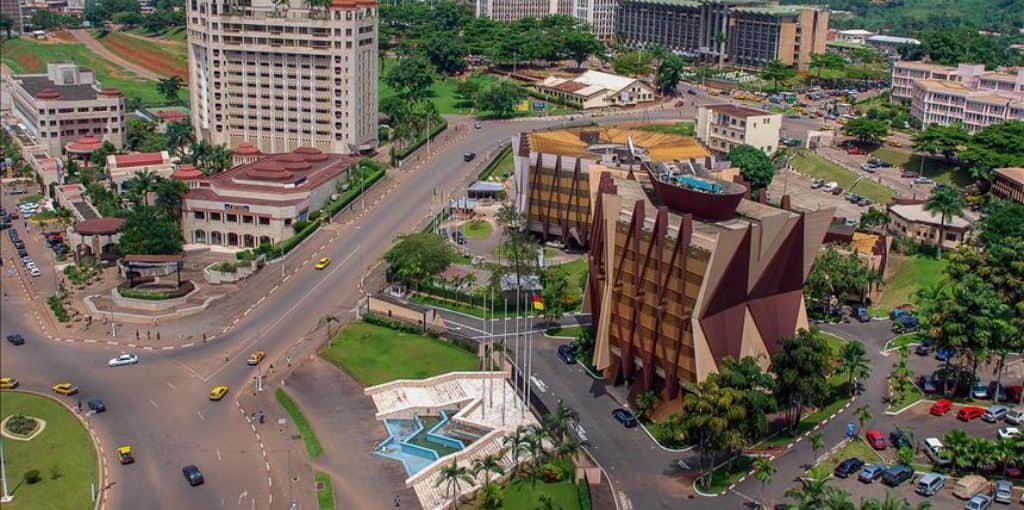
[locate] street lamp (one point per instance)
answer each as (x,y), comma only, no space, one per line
(7,497)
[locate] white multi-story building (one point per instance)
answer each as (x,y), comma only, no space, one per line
(724,126)
(284,76)
(599,15)
(966,94)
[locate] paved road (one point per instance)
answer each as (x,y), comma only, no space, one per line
(84,37)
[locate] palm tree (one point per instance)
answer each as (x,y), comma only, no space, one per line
(139,186)
(561,420)
(568,447)
(817,442)
(854,361)
(515,443)
(452,476)
(810,494)
(487,465)
(326,320)
(170,195)
(535,445)
(764,472)
(1004,451)
(947,203)
(65,218)
(957,444)
(863,415)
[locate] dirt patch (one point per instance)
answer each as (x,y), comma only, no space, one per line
(63,36)
(155,61)
(30,62)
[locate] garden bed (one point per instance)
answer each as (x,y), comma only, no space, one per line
(156,294)
(21,427)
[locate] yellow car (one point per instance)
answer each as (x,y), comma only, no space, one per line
(322,263)
(8,383)
(218,392)
(256,357)
(65,388)
(125,455)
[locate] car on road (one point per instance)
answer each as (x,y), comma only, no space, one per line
(968,413)
(192,475)
(869,168)
(65,388)
(924,180)
(908,174)
(625,417)
(1004,492)
(941,407)
(944,353)
(897,474)
(125,455)
(899,439)
(8,383)
(125,358)
(322,263)
(565,352)
(1015,416)
(875,439)
(848,467)
(860,312)
(995,413)
(97,406)
(477,125)
(905,323)
(256,357)
(871,472)
(979,502)
(469,156)
(16,339)
(1008,433)
(218,392)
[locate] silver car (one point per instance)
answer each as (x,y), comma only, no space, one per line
(125,358)
(1004,491)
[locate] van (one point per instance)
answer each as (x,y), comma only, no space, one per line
(969,485)
(929,484)
(933,449)
(831,186)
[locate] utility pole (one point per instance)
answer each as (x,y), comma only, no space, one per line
(7,497)
(259,378)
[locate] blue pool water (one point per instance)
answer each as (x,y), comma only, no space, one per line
(415,457)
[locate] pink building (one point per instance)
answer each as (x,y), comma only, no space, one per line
(964,94)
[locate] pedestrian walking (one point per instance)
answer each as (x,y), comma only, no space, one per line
(136,335)
(204,336)
(157,336)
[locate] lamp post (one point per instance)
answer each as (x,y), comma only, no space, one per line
(7,497)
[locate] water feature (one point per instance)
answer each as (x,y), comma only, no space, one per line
(419,442)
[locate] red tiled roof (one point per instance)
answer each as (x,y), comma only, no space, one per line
(111,92)
(304,168)
(48,94)
(246,149)
(99,226)
(84,144)
(186,173)
(139,159)
(210,195)
(171,115)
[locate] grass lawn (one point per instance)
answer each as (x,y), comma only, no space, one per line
(814,165)
(313,446)
(500,166)
(835,344)
(936,168)
(727,474)
(679,128)
(909,398)
(477,229)
(838,382)
(909,275)
(904,340)
(375,355)
(28,56)
(443,91)
(163,59)
(324,496)
(566,331)
(459,306)
(576,270)
(855,448)
(64,444)
(521,494)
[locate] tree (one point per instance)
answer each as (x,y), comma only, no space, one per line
(775,71)
(863,415)
(997,146)
(170,195)
(633,63)
(764,472)
(559,297)
(939,139)
(874,220)
(139,186)
(823,61)
(43,19)
(135,132)
(812,494)
(579,44)
(755,166)
(487,465)
(905,455)
(169,87)
(179,135)
(801,369)
(947,203)
(853,361)
(644,403)
(411,77)
(515,443)
(208,158)
(500,98)
(711,419)
(866,130)
(669,74)
(747,377)
(416,257)
(446,53)
(817,443)
(7,24)
(145,232)
(452,476)
(99,156)
(491,497)
(833,277)
(1003,219)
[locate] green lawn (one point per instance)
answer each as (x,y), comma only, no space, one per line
(576,270)
(313,446)
(909,275)
(64,444)
(458,306)
(566,331)
(904,340)
(500,166)
(324,496)
(835,344)
(679,128)
(727,474)
(521,494)
(908,398)
(936,168)
(443,91)
(814,165)
(28,56)
(855,448)
(375,355)
(477,229)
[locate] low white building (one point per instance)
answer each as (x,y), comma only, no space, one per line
(855,36)
(122,167)
(594,89)
(912,221)
(724,126)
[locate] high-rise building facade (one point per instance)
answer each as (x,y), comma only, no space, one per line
(599,15)
(284,76)
(744,33)
(12,9)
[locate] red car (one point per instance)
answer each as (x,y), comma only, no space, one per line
(941,407)
(855,150)
(875,439)
(969,413)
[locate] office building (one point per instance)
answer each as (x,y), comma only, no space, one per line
(65,104)
(599,15)
(742,33)
(12,9)
(889,44)
(965,94)
(854,36)
(594,89)
(286,76)
(1008,184)
(910,220)
(724,126)
(123,167)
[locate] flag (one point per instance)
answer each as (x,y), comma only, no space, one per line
(538,304)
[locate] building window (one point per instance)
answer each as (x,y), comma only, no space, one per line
(232,239)
(951,236)
(199,215)
(247,219)
(215,216)
(232,218)
(264,220)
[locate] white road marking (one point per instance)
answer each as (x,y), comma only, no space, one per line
(218,454)
(154,404)
(241,496)
(171,386)
(201,417)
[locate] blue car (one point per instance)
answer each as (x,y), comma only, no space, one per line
(944,353)
(905,323)
(860,313)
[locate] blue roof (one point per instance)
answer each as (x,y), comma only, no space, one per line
(485,186)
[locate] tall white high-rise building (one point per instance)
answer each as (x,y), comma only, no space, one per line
(284,75)
(598,14)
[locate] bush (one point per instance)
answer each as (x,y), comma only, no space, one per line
(155,295)
(244,256)
(21,425)
(384,322)
(58,309)
(551,473)
(405,152)
(224,267)
(55,472)
(32,476)
(583,490)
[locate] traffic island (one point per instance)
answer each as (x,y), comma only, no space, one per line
(57,466)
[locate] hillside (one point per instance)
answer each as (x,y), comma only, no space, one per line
(907,17)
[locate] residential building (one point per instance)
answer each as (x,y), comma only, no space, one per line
(1008,184)
(890,44)
(122,167)
(904,73)
(909,219)
(966,94)
(724,126)
(743,33)
(65,104)
(855,36)
(594,89)
(12,9)
(260,202)
(599,15)
(286,76)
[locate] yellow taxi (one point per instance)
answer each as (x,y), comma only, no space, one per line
(8,383)
(322,263)
(125,455)
(256,357)
(218,392)
(65,388)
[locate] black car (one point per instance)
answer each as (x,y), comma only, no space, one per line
(192,475)
(898,439)
(22,253)
(97,405)
(625,417)
(16,339)
(565,352)
(927,385)
(905,323)
(860,313)
(897,474)
(459,237)
(468,156)
(925,348)
(848,467)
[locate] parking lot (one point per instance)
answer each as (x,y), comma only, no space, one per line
(798,187)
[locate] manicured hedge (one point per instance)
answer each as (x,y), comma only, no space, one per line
(404,153)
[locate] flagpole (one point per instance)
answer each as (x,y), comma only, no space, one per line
(518,368)
(504,354)
(529,348)
(3,475)
(483,360)
(490,357)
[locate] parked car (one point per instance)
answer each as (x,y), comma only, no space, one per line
(969,485)
(968,413)
(1015,416)
(905,324)
(927,384)
(469,156)
(979,502)
(871,472)
(1008,433)
(944,353)
(16,339)
(898,438)
(864,202)
(125,358)
(817,183)
(923,180)
(192,475)
(459,237)
(925,347)
(897,474)
(855,151)
(908,174)
(625,417)
(96,405)
(941,407)
(929,484)
(935,451)
(565,352)
(875,439)
(994,413)
(1004,492)
(848,467)
(860,312)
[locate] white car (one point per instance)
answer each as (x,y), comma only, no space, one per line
(1008,432)
(34,272)
(125,358)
